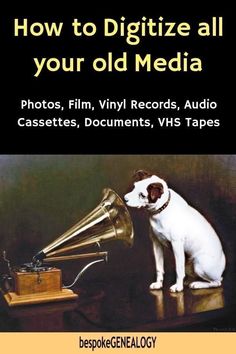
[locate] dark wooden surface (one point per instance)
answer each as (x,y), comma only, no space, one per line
(127,305)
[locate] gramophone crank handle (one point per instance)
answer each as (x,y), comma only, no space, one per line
(4,255)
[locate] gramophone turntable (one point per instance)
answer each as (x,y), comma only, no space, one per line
(39,281)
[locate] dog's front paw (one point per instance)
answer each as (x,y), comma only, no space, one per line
(176,288)
(156,285)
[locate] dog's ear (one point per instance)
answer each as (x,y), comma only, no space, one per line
(141,174)
(155,191)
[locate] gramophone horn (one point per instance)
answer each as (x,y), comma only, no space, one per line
(110,220)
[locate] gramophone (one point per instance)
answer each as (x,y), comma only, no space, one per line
(39,281)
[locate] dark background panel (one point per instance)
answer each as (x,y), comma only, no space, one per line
(213,82)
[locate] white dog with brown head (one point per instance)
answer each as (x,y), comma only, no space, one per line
(174,222)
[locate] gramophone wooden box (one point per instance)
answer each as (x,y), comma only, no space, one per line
(32,287)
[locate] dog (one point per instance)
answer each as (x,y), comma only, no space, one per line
(173,222)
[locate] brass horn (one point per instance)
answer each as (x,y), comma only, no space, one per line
(37,282)
(110,220)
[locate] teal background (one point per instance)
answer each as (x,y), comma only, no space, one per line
(41,196)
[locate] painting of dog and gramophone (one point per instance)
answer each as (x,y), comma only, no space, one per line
(175,213)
